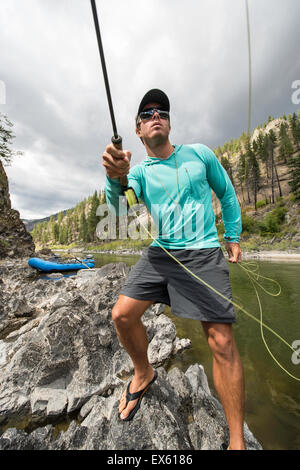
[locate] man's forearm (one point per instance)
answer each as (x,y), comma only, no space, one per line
(232,218)
(113,191)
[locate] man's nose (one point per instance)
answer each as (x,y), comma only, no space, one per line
(155,115)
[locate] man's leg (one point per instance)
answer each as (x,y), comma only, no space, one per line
(228,378)
(131,332)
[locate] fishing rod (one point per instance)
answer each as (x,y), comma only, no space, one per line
(116,138)
(80,261)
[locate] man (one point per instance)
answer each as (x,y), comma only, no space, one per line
(177,180)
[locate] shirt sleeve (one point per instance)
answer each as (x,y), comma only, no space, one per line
(115,199)
(219,181)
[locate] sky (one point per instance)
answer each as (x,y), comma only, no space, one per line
(52,87)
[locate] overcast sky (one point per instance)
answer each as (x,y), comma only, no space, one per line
(196,51)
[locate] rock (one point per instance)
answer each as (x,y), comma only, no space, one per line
(55,275)
(161,344)
(170,418)
(44,252)
(16,439)
(72,339)
(50,401)
(180,345)
(15,241)
(65,360)
(198,380)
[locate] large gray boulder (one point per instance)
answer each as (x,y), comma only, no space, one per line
(60,360)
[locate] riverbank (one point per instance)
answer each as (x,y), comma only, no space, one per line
(63,371)
(291,255)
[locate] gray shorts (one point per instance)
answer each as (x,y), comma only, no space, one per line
(157,277)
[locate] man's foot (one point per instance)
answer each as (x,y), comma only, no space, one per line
(137,384)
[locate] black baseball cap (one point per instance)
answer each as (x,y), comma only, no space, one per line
(155,96)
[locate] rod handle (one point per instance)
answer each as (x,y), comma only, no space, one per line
(117,142)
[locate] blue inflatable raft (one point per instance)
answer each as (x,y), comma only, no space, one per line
(55,266)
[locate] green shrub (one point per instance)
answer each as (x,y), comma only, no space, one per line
(292,197)
(249,224)
(279,213)
(261,203)
(272,223)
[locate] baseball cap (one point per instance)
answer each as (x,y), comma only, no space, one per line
(155,96)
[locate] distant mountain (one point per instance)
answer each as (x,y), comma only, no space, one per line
(30,223)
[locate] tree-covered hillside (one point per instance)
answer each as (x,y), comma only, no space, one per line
(263,168)
(74,225)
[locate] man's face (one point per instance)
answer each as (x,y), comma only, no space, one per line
(154,130)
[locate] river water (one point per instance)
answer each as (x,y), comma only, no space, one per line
(272,396)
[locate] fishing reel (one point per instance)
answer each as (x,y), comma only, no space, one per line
(130,196)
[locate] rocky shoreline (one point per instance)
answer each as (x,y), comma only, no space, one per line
(272,254)
(61,361)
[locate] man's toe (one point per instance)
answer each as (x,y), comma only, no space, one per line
(125,413)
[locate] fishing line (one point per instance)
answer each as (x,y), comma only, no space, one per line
(250,67)
(132,200)
(250,315)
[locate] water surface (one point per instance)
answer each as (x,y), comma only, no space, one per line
(272,397)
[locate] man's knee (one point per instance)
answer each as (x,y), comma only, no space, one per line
(121,316)
(222,345)
(127,310)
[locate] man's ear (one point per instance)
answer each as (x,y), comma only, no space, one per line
(138,133)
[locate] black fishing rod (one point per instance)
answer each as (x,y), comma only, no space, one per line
(116,138)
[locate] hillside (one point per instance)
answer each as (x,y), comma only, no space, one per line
(264,170)
(30,223)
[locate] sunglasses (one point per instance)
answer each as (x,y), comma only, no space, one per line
(145,115)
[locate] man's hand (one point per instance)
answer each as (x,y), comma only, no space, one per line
(234,252)
(116,162)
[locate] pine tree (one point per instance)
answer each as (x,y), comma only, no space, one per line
(83,230)
(253,168)
(271,139)
(60,217)
(227,166)
(6,138)
(92,220)
(241,171)
(286,148)
(55,232)
(294,173)
(295,129)
(70,234)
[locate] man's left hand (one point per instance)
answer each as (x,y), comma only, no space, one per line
(234,252)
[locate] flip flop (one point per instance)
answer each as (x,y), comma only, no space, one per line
(134,396)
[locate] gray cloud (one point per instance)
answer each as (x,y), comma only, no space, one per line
(196,52)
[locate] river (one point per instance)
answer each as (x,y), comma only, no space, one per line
(272,408)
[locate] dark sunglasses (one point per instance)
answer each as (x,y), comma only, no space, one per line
(145,115)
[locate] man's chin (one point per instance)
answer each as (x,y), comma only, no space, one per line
(157,139)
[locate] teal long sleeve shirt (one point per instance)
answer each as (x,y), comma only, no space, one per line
(185,218)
